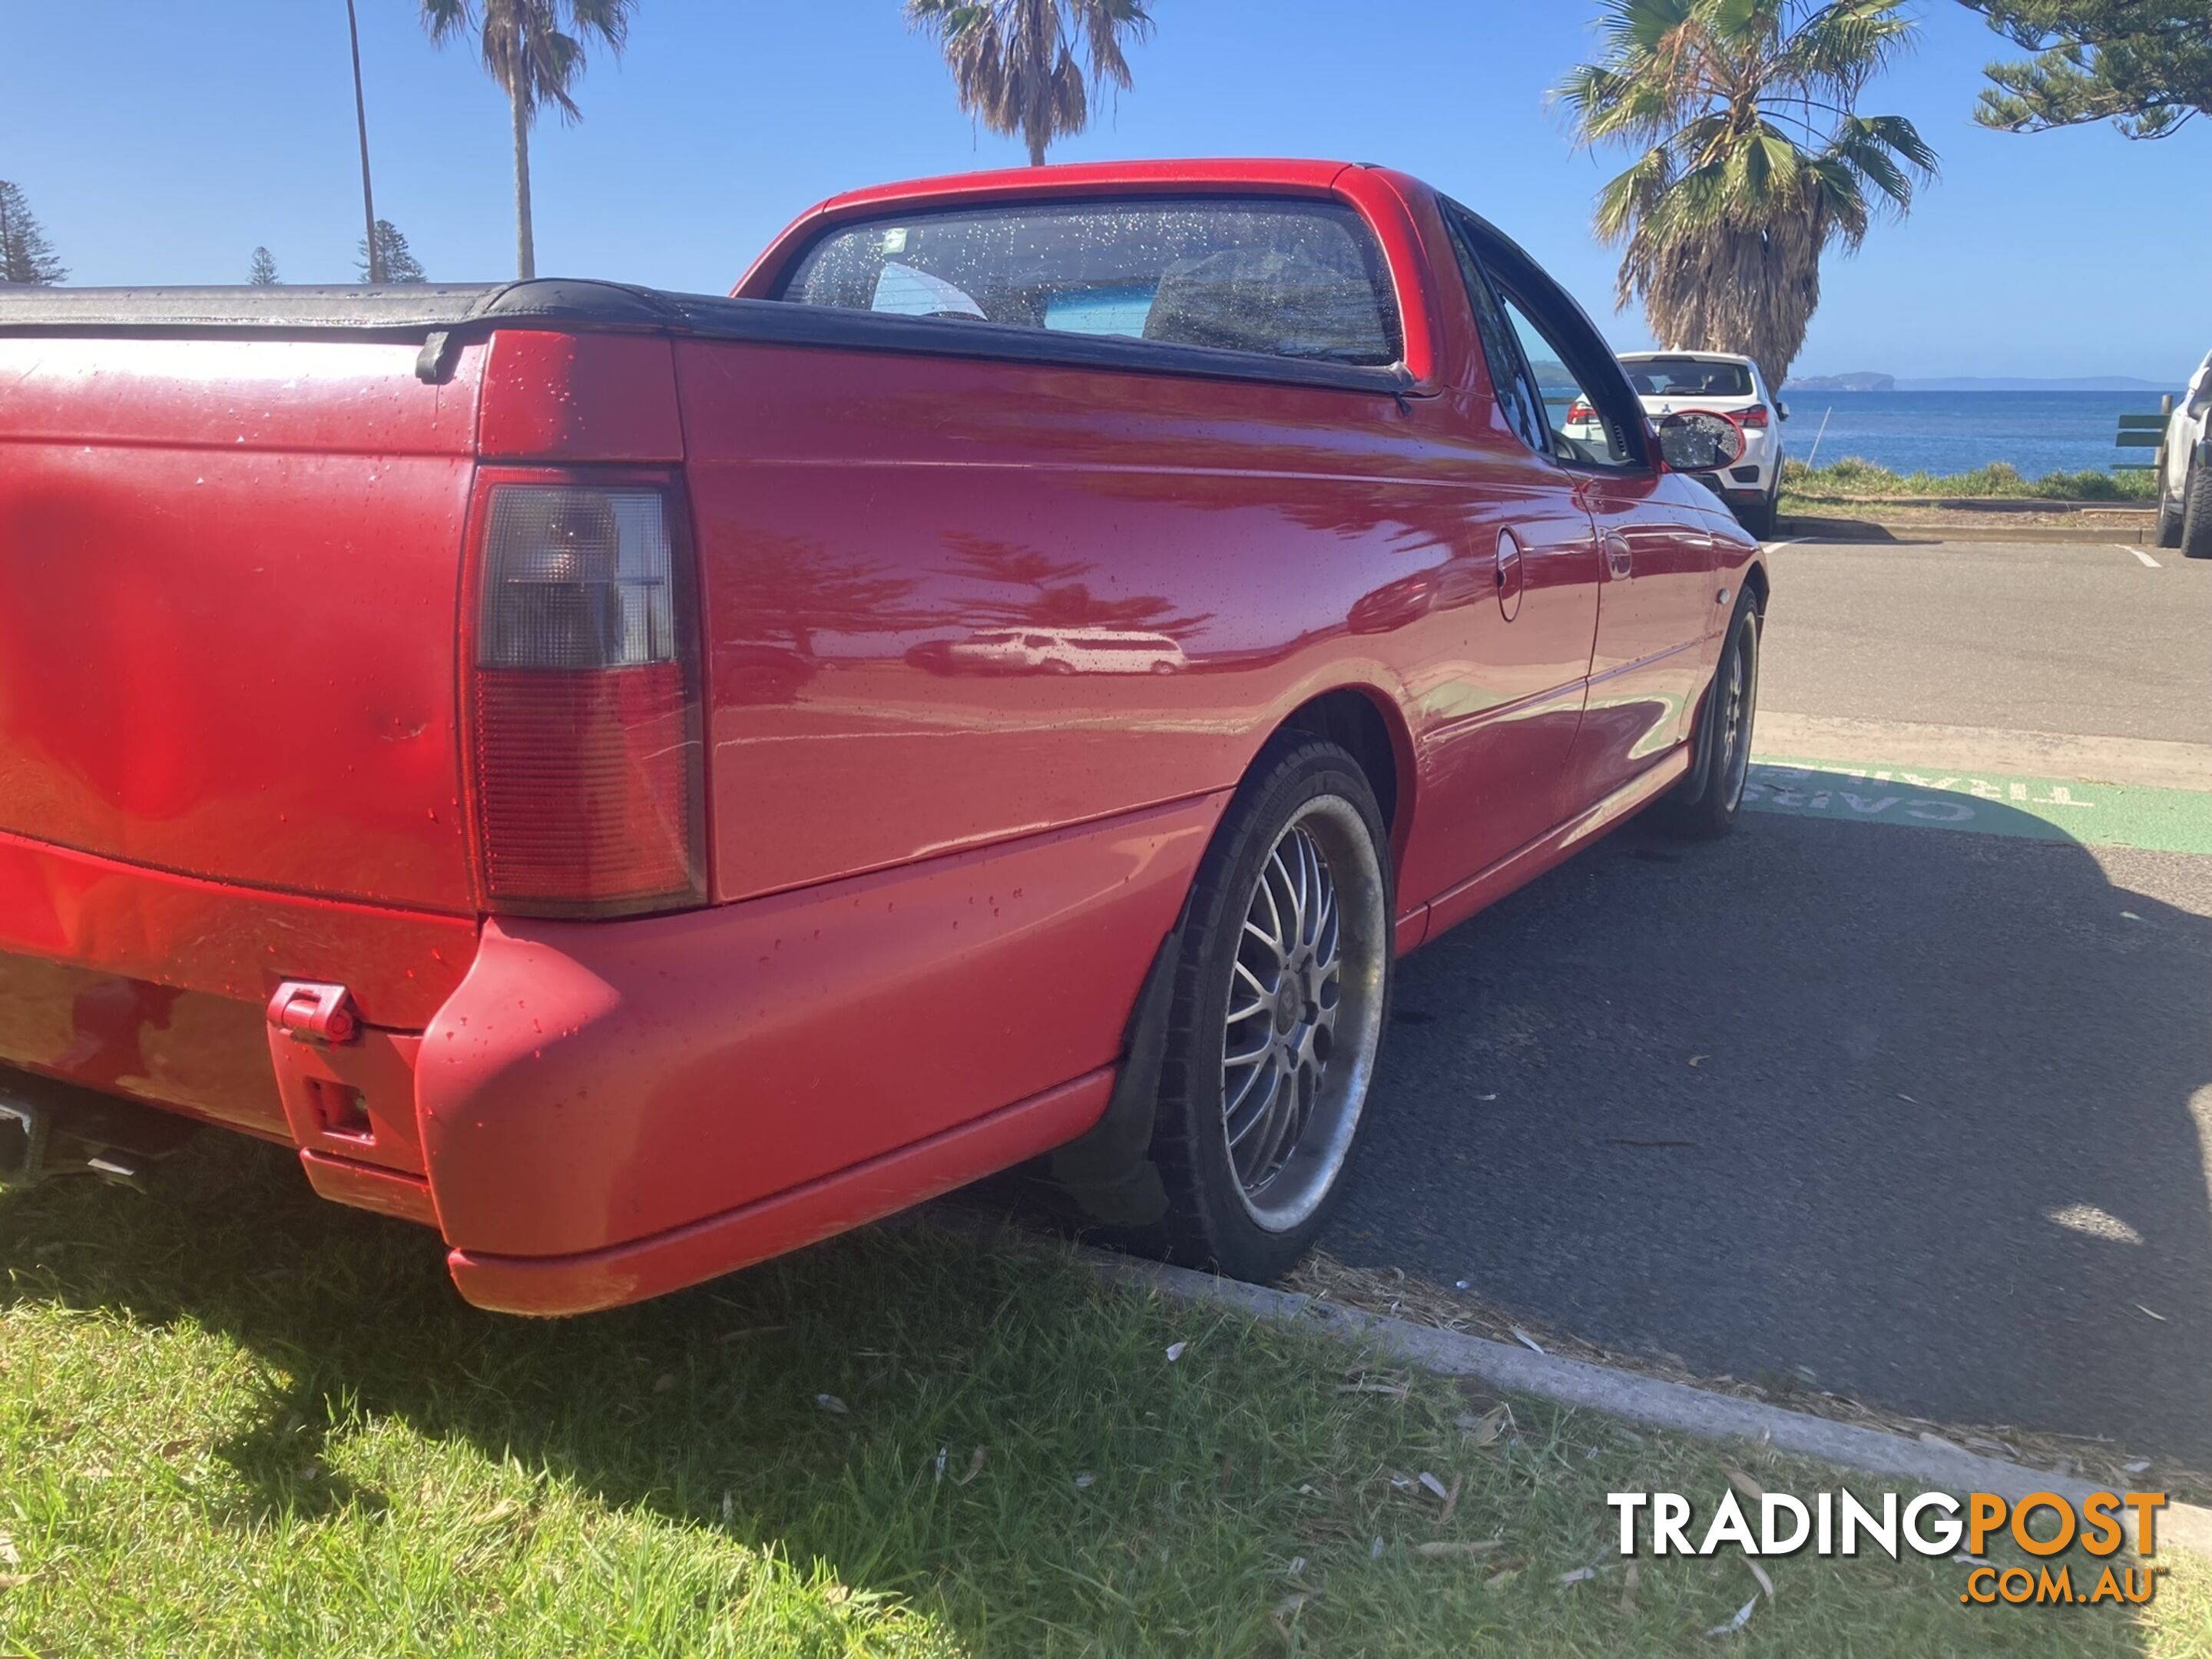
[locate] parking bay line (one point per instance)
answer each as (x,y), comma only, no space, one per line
(2140,554)
(1990,804)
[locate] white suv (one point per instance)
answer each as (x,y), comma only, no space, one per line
(2185,484)
(1673,382)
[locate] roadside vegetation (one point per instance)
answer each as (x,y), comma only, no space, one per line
(1851,480)
(235,1421)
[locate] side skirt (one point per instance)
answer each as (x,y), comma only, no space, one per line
(1517,869)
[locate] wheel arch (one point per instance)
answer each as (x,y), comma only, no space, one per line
(1756,579)
(1371,727)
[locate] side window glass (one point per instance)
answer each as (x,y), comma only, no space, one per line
(1579,432)
(1517,394)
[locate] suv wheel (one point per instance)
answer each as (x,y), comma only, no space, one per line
(2197,512)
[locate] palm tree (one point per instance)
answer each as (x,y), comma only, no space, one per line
(535,50)
(1015,62)
(1755,162)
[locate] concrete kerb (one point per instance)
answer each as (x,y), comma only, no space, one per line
(1650,1400)
(2115,531)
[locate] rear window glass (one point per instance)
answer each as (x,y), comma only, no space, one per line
(1301,280)
(1688,377)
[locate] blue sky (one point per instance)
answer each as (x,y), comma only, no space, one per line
(159,142)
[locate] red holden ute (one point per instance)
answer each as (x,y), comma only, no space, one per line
(637,782)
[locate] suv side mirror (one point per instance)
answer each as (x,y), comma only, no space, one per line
(1699,440)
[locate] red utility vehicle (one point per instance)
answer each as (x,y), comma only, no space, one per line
(638,783)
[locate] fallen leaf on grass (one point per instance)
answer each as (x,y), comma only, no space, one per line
(1487,1429)
(2135,1468)
(1742,1482)
(1524,1339)
(10,1580)
(8,1554)
(1374,1551)
(1086,1482)
(1175,1351)
(1698,1059)
(1743,1618)
(1452,1547)
(1760,1573)
(943,1452)
(830,1402)
(664,1383)
(1435,1485)
(1579,1576)
(974,1466)
(1507,1573)
(1451,1499)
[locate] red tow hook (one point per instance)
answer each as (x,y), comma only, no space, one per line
(308,1012)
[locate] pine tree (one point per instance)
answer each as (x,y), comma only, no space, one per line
(264,273)
(392,252)
(2144,66)
(25,255)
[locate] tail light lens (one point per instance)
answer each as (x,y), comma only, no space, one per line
(1755,417)
(588,788)
(1580,413)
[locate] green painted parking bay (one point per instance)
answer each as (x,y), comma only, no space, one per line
(1989,804)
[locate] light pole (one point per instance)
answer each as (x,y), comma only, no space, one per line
(361,123)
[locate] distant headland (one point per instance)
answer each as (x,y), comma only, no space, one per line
(1890,383)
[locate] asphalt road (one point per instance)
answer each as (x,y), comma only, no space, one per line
(1918,1111)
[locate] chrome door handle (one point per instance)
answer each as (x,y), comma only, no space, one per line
(1619,558)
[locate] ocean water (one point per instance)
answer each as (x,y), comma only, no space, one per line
(2036,432)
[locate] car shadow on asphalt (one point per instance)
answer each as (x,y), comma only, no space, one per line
(1911,1116)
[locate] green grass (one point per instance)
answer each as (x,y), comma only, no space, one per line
(234,1421)
(1853,478)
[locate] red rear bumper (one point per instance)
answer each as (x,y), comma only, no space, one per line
(601,1112)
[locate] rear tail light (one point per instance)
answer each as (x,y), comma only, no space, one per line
(1756,416)
(588,788)
(1580,413)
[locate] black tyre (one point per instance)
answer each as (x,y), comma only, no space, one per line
(2197,512)
(1276,1013)
(2169,520)
(1760,519)
(1707,802)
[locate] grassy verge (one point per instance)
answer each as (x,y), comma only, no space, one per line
(1853,480)
(233,1420)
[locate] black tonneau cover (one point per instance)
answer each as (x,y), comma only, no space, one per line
(443,314)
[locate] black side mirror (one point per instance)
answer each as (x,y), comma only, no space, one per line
(1699,440)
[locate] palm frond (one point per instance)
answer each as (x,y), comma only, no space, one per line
(1752,159)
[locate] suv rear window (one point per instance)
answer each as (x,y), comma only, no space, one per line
(1688,377)
(1301,280)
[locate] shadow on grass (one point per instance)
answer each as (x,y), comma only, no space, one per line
(830,1407)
